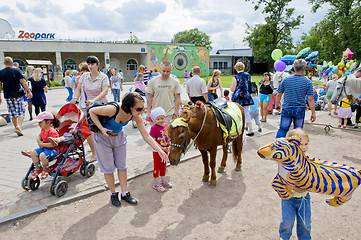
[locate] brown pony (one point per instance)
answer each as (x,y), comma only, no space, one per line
(208,138)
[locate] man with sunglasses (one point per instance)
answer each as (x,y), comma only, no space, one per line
(164,91)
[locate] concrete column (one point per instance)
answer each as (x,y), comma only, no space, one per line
(107,59)
(2,56)
(58,73)
(59,62)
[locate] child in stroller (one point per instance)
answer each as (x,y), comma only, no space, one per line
(70,154)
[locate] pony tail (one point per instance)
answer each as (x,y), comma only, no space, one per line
(56,122)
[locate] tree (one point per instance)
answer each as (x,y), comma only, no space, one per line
(337,31)
(133,40)
(276,32)
(194,36)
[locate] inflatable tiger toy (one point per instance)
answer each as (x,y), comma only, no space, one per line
(314,175)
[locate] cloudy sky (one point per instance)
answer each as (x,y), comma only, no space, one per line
(150,20)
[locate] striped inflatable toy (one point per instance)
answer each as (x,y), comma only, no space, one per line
(314,175)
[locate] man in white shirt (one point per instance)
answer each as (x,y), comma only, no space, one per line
(196,87)
(164,91)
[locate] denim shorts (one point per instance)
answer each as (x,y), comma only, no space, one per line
(264,97)
(49,152)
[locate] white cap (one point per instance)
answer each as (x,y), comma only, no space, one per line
(157,112)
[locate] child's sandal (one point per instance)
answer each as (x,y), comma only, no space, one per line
(26,153)
(44,174)
(35,174)
(54,141)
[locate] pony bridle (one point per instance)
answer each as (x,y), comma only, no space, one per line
(342,90)
(185,145)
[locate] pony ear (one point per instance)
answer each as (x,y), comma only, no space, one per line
(199,104)
(296,140)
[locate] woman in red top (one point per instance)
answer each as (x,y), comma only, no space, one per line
(46,122)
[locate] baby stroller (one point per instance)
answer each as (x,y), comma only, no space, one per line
(71,156)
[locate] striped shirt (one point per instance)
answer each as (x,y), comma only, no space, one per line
(93,88)
(295,89)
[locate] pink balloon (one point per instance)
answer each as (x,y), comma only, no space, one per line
(280,66)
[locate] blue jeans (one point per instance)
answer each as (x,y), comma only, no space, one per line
(212,96)
(289,115)
(70,96)
(299,208)
(116,94)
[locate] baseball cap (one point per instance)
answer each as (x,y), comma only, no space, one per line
(157,112)
(43,116)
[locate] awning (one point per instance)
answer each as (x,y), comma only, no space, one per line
(38,62)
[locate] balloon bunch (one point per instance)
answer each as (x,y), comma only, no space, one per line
(285,62)
(345,67)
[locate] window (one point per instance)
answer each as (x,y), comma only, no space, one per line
(132,64)
(225,65)
(215,65)
(70,64)
(220,65)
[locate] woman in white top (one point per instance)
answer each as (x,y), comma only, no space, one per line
(68,85)
(330,88)
(116,85)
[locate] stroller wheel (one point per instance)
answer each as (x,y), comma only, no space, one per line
(52,187)
(24,184)
(33,184)
(61,188)
(89,170)
(82,169)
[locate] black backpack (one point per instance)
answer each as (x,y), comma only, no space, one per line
(102,119)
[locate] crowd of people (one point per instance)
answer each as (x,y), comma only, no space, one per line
(159,94)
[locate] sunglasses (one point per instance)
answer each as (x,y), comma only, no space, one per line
(139,109)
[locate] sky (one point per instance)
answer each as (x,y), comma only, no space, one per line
(150,20)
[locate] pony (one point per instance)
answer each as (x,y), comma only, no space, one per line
(346,86)
(199,123)
(314,175)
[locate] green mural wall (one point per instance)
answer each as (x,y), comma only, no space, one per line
(182,57)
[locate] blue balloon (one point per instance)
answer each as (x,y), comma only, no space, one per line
(288,59)
(335,68)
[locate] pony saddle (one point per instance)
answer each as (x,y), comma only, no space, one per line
(218,106)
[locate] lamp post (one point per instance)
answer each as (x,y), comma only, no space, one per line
(207,63)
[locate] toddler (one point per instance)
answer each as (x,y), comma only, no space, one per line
(67,136)
(254,112)
(299,206)
(159,134)
(344,111)
(46,122)
(226,94)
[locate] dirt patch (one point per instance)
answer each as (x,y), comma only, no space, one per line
(242,205)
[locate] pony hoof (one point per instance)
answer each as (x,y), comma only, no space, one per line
(220,170)
(212,184)
(238,169)
(204,179)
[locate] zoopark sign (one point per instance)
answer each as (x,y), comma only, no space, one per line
(23,34)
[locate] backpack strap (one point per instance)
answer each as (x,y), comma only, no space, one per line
(117,106)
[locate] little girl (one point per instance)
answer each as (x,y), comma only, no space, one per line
(345,111)
(46,122)
(139,83)
(159,134)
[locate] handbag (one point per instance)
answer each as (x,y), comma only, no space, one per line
(102,119)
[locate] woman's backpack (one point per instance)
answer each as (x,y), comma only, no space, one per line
(102,119)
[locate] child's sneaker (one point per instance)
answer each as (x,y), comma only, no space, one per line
(159,187)
(166,184)
(35,174)
(44,174)
(260,130)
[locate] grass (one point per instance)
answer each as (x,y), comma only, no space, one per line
(227,79)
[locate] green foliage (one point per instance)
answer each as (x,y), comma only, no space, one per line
(276,32)
(133,40)
(194,36)
(55,83)
(337,31)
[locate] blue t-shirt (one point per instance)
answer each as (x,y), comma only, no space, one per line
(255,106)
(114,126)
(295,89)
